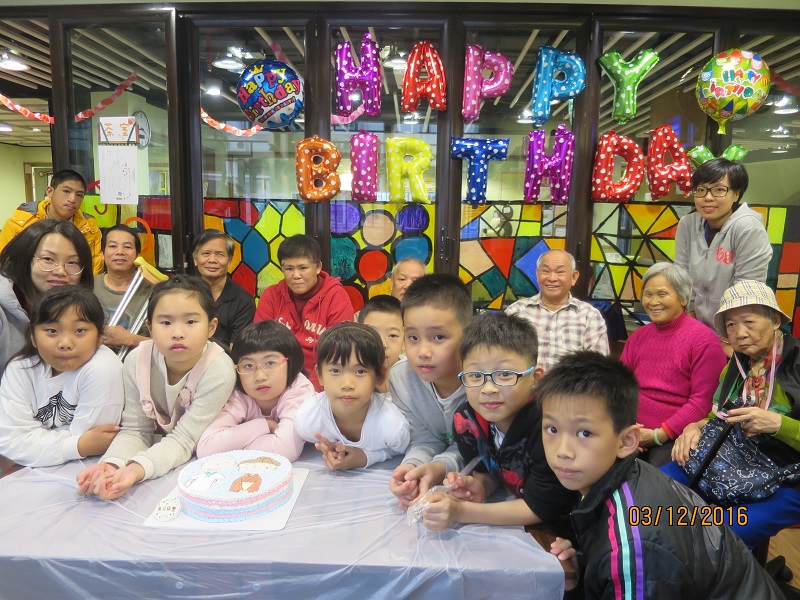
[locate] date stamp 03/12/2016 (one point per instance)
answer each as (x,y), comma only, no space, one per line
(687,516)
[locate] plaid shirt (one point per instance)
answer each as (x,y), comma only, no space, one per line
(575,326)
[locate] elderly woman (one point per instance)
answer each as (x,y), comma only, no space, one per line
(676,359)
(762,383)
(213,252)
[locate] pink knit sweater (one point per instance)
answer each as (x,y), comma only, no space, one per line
(677,366)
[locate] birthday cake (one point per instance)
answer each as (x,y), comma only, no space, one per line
(234,486)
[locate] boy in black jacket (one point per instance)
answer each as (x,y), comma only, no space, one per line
(641,534)
(501,423)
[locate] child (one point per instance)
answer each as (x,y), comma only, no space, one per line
(384,315)
(353,425)
(271,387)
(175,383)
(61,396)
(308,300)
(641,534)
(426,388)
(501,424)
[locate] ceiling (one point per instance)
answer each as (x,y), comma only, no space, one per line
(102,57)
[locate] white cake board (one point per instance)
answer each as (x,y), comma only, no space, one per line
(273,521)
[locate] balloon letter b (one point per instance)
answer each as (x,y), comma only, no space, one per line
(478,153)
(316,161)
(399,169)
(557,166)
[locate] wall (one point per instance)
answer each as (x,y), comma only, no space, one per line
(12,181)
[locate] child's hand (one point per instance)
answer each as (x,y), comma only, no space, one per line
(272,424)
(467,487)
(89,476)
(442,512)
(111,488)
(428,475)
(97,440)
(564,551)
(325,446)
(406,491)
(344,457)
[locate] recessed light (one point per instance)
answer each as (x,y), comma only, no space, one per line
(5,128)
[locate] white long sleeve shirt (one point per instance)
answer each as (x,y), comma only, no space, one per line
(385,432)
(42,416)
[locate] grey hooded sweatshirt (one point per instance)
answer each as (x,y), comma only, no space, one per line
(740,250)
(13,322)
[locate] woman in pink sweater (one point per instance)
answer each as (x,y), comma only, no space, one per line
(270,388)
(676,359)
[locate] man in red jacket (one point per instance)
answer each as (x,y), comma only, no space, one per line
(308,300)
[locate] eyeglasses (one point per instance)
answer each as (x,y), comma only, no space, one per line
(718,191)
(250,368)
(48,264)
(502,378)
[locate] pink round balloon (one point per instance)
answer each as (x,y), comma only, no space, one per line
(364,166)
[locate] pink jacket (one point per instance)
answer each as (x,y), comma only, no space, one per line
(331,306)
(240,425)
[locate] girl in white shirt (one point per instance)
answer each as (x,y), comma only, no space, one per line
(353,425)
(61,396)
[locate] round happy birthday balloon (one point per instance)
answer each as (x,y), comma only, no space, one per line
(270,94)
(732,86)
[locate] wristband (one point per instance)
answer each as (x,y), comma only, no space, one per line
(655,437)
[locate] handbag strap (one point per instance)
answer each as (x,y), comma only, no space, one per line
(771,375)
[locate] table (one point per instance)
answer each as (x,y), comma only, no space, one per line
(346,538)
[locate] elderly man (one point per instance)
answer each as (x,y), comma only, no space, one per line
(405,273)
(564,324)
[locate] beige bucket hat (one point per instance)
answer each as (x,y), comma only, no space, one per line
(746,293)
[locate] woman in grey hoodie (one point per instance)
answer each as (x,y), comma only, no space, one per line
(724,241)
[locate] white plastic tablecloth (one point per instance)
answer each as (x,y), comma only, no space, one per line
(346,538)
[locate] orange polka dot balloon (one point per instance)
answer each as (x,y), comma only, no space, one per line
(316,161)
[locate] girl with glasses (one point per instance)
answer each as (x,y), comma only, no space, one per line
(47,254)
(724,240)
(271,386)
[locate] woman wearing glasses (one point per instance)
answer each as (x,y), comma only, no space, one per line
(724,241)
(47,254)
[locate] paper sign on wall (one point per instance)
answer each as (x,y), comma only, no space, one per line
(117,130)
(118,174)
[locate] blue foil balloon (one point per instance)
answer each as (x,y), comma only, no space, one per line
(270,94)
(478,152)
(547,88)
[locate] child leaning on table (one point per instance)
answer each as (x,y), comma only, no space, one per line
(384,315)
(270,388)
(175,384)
(426,387)
(61,395)
(501,423)
(641,534)
(352,424)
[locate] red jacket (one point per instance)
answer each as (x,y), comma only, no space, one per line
(332,305)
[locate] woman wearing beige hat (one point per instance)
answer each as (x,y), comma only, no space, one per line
(759,391)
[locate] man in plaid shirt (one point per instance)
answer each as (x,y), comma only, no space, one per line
(564,324)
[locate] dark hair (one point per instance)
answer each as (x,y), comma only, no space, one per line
(499,330)
(338,343)
(382,303)
(441,291)
(55,302)
(16,260)
(67,175)
(137,243)
(300,246)
(189,284)
(269,336)
(589,373)
(213,234)
(713,170)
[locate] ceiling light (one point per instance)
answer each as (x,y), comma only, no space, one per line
(786,106)
(355,96)
(5,128)
(213,86)
(229,62)
(9,62)
(35,129)
(393,58)
(780,132)
(780,150)
(411,118)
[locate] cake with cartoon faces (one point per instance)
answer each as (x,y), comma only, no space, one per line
(234,486)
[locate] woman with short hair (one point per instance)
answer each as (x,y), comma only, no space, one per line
(676,359)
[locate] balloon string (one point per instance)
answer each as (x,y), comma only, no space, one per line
(783,84)
(337,120)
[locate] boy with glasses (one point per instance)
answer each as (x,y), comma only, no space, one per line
(502,424)
(724,241)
